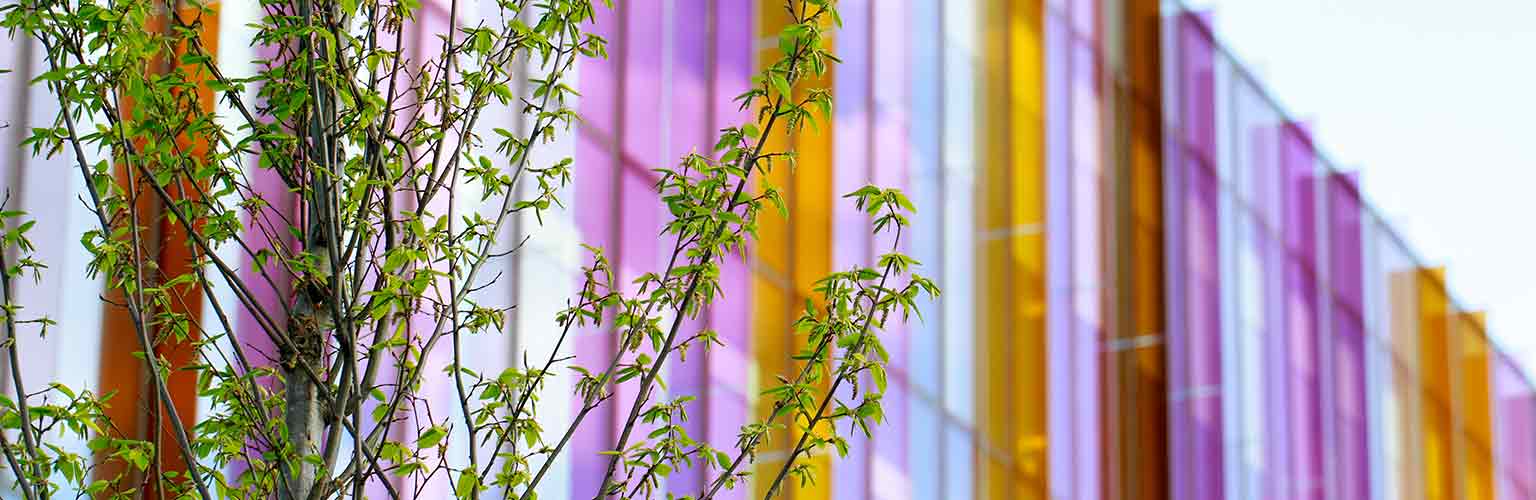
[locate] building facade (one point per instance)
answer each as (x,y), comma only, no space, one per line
(1155,286)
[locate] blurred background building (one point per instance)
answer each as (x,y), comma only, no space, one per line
(1155,285)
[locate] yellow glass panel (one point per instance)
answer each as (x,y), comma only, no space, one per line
(1011,375)
(1027,244)
(993,280)
(812,199)
(790,256)
(1435,375)
(1474,387)
(771,306)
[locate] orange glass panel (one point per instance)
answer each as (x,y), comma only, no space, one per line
(1407,383)
(135,410)
(1136,420)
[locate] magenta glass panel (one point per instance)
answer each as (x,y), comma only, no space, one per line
(432,20)
(1194,335)
(282,207)
(1351,446)
(643,128)
(1304,408)
(597,188)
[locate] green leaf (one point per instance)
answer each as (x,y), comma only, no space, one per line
(483,41)
(779,84)
(468,485)
(877,372)
(722,459)
(431,437)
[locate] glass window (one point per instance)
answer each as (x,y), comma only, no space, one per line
(959,463)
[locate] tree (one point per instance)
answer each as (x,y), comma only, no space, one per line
(383,153)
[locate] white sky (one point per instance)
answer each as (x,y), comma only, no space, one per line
(1433,102)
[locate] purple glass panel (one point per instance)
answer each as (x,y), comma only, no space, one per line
(889,476)
(688,125)
(1060,280)
(853,143)
(1303,405)
(1195,408)
(1087,248)
(282,207)
(1514,414)
(642,127)
(1351,447)
(853,140)
(1074,220)
(1265,185)
(727,396)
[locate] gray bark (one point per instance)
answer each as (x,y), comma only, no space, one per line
(311,319)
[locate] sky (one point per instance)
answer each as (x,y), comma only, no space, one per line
(1433,102)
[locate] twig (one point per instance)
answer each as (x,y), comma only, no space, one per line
(28,440)
(748,161)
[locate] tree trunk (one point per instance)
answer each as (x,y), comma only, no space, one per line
(310,322)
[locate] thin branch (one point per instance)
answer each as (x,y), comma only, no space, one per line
(10,459)
(407,374)
(135,312)
(12,351)
(843,375)
(745,163)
